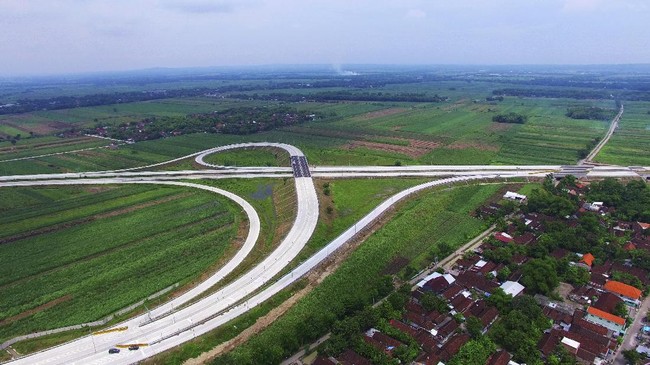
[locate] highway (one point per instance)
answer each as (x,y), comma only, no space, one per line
(177,321)
(164,328)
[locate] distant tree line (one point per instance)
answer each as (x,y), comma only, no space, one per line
(357,82)
(554,93)
(231,121)
(581,94)
(343,96)
(510,118)
(589,112)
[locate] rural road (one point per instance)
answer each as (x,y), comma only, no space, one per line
(629,340)
(612,127)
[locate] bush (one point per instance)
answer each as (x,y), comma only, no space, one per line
(510,118)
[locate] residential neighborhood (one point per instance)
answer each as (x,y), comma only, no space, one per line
(560,280)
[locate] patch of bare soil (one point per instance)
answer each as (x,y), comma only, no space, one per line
(415,149)
(381,113)
(32,311)
(16,126)
(97,189)
(455,106)
(474,145)
(396,265)
(499,127)
(428,145)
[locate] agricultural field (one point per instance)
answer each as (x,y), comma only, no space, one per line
(458,131)
(442,215)
(46,146)
(76,254)
(461,132)
(631,142)
(255,157)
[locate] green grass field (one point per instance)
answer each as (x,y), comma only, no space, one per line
(631,142)
(460,131)
(267,157)
(73,255)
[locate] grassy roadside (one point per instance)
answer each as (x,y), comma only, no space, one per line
(353,199)
(359,280)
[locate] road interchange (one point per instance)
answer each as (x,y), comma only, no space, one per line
(170,324)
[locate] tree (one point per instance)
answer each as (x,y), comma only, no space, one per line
(432,302)
(510,118)
(620,310)
(632,356)
(500,300)
(561,357)
(520,330)
(545,202)
(474,327)
(540,276)
(503,274)
(476,351)
(576,275)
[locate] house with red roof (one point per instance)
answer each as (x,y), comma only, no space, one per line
(586,261)
(503,237)
(607,320)
(628,293)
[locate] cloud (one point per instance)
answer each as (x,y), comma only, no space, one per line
(581,5)
(201,6)
(416,13)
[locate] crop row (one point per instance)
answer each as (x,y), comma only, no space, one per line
(84,203)
(44,252)
(103,268)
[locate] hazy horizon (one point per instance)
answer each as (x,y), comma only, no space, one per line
(72,36)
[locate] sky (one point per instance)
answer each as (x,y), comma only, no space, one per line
(77,36)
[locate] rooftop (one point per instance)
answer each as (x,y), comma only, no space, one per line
(623,289)
(606,316)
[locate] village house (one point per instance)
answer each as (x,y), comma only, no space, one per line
(607,320)
(628,293)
